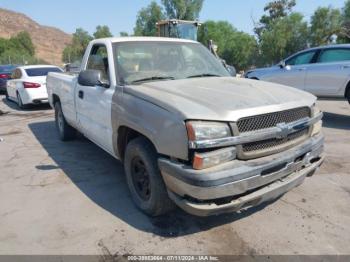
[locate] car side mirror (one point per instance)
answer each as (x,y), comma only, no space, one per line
(282,64)
(91,77)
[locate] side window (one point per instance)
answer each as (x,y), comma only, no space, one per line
(334,55)
(301,59)
(98,60)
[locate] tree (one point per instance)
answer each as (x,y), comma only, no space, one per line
(183,9)
(24,41)
(146,20)
(76,49)
(284,37)
(276,10)
(19,49)
(237,48)
(344,36)
(325,23)
(123,34)
(102,32)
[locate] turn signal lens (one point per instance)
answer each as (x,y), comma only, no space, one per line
(214,158)
(316,129)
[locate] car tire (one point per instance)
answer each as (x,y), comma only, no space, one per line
(144,179)
(20,102)
(7,95)
(65,131)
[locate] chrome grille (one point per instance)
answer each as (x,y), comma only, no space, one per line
(272,119)
(274,145)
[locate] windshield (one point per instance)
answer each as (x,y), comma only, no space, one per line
(41,71)
(186,31)
(156,61)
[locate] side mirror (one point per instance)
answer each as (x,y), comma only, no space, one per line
(231,70)
(282,64)
(92,78)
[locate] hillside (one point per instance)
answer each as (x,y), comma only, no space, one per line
(49,41)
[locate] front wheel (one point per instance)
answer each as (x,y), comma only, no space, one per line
(144,178)
(65,131)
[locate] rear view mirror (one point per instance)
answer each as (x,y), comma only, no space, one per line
(92,78)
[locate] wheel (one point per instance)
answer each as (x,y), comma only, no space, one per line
(144,179)
(65,131)
(20,102)
(7,95)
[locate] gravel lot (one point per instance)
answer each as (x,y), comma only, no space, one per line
(71,198)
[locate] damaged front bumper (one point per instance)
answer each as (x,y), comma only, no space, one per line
(240,184)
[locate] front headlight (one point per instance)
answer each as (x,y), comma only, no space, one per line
(200,130)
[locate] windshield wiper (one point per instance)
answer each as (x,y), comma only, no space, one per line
(204,75)
(153,78)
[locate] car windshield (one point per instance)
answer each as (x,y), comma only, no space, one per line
(41,71)
(138,62)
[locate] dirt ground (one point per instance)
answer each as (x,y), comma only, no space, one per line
(71,198)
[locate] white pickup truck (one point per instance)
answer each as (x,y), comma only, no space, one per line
(187,132)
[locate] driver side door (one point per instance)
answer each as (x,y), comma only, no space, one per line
(93,103)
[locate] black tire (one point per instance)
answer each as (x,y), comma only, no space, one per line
(153,200)
(20,102)
(65,131)
(347,94)
(7,95)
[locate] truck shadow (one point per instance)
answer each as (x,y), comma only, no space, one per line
(101,178)
(337,121)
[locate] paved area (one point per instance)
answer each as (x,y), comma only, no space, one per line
(71,198)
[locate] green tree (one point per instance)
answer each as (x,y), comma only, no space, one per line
(183,9)
(344,35)
(123,34)
(237,48)
(146,20)
(18,49)
(284,37)
(76,49)
(102,32)
(276,10)
(24,41)
(325,23)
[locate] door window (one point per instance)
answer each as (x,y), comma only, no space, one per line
(301,59)
(334,55)
(98,60)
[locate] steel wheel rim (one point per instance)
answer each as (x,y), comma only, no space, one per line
(60,121)
(140,178)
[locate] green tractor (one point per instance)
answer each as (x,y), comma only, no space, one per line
(175,28)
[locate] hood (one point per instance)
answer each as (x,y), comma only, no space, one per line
(220,98)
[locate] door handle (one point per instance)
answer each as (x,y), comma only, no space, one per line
(345,67)
(81,94)
(302,69)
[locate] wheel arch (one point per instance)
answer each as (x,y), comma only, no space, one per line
(125,135)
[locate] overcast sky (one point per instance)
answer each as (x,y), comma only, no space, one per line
(120,15)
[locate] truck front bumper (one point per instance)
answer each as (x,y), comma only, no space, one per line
(240,184)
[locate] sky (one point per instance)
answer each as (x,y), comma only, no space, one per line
(120,15)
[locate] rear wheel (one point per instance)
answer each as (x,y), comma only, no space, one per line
(347,94)
(20,102)
(144,178)
(65,131)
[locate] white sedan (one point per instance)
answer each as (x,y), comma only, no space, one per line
(28,84)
